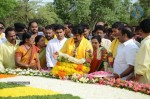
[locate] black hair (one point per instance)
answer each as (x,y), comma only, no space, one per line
(58,27)
(2,24)
(33,21)
(85,26)
(49,27)
(99,27)
(98,37)
(19,27)
(137,28)
(127,30)
(145,25)
(70,25)
(78,29)
(24,37)
(37,38)
(8,29)
(118,25)
(110,30)
(105,25)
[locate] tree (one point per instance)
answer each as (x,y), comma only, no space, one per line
(46,15)
(145,5)
(109,11)
(74,11)
(7,7)
(23,11)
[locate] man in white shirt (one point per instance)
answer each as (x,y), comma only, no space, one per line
(99,30)
(55,45)
(2,35)
(125,59)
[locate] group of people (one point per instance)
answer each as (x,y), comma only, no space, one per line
(125,48)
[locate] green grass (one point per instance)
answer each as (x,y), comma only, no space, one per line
(59,96)
(8,85)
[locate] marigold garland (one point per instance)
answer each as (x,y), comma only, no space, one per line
(63,69)
(6,75)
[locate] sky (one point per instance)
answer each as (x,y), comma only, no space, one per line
(48,0)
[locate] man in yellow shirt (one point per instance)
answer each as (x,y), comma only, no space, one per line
(142,62)
(7,50)
(49,33)
(116,27)
(78,46)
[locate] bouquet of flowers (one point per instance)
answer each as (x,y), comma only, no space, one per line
(68,65)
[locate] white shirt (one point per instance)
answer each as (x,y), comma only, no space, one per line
(137,43)
(3,38)
(126,54)
(41,33)
(106,43)
(53,46)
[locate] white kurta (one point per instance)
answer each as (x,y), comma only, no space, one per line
(106,43)
(2,38)
(53,46)
(126,54)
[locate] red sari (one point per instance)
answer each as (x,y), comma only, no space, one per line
(95,63)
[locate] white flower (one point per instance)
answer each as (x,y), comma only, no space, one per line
(27,72)
(18,70)
(83,79)
(23,72)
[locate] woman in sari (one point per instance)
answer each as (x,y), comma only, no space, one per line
(99,54)
(26,55)
(40,43)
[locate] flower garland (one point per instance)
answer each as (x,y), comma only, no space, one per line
(27,72)
(68,65)
(86,78)
(63,69)
(89,78)
(66,58)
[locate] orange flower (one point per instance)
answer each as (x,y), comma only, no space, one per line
(6,75)
(79,67)
(58,63)
(61,74)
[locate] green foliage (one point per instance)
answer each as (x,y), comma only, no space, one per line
(74,11)
(7,6)
(145,5)
(46,15)
(108,11)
